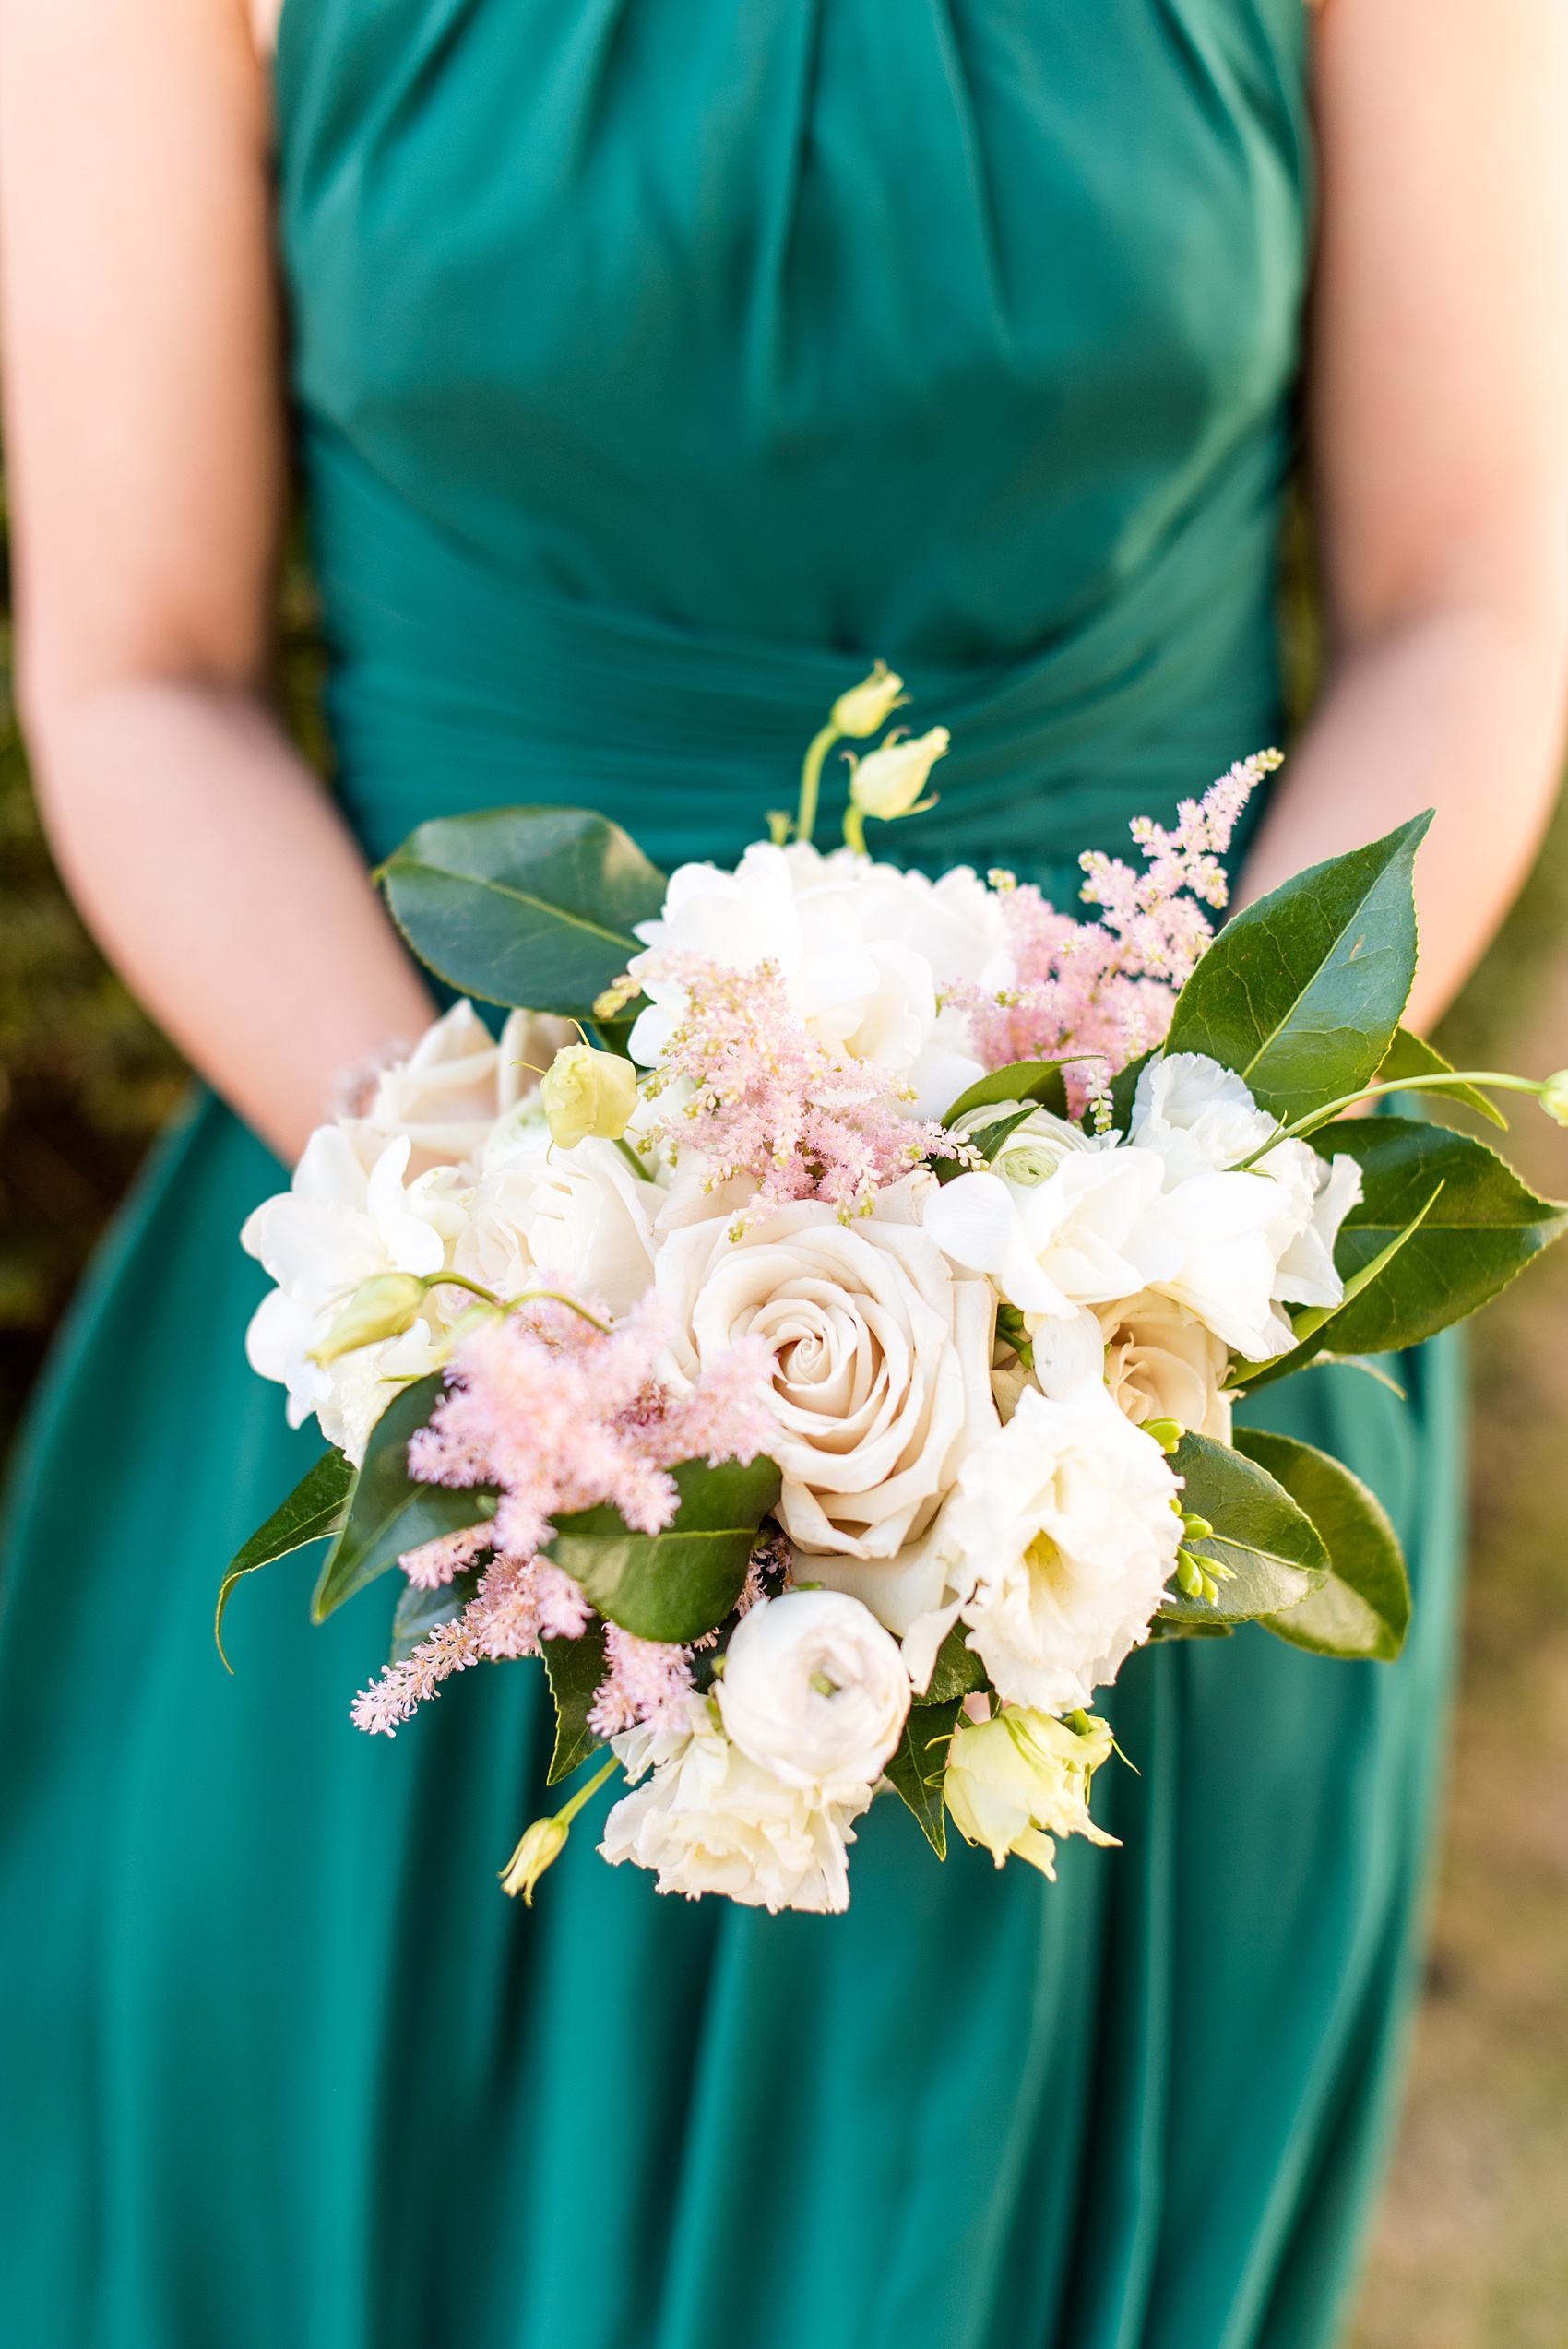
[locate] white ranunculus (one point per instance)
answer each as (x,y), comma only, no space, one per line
(882,1360)
(816,1690)
(341,1223)
(711,1820)
(542,1216)
(1080,1235)
(1161,1363)
(457,1081)
(1015,1782)
(1055,1549)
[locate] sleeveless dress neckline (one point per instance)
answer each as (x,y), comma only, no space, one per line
(658,363)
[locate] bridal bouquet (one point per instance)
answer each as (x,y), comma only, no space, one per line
(811,1330)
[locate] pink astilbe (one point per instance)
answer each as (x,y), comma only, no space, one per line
(646,1684)
(1102,992)
(770,1102)
(561,1416)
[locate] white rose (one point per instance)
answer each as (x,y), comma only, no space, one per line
(882,1360)
(816,1690)
(338,1225)
(540,1217)
(1056,1548)
(1080,1235)
(710,1819)
(1161,1363)
(1015,1782)
(457,1081)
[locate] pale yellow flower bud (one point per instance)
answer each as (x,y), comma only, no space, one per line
(1554,1096)
(383,1306)
(887,782)
(542,1846)
(870,704)
(586,1092)
(1015,1781)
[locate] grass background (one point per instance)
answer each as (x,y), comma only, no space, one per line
(1471,2249)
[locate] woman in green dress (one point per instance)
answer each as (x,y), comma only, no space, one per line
(654,362)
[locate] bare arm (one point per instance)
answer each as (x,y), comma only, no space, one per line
(144,445)
(1438,423)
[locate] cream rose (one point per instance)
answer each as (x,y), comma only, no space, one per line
(816,1690)
(882,1360)
(1161,1363)
(458,1079)
(710,1819)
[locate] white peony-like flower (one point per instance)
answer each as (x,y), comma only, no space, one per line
(542,1216)
(882,1360)
(1162,1362)
(816,1690)
(711,1820)
(341,1223)
(1016,1781)
(1054,1548)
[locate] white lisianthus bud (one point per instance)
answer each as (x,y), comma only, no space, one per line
(1554,1096)
(870,704)
(889,781)
(586,1092)
(383,1306)
(1015,1782)
(816,1690)
(542,1846)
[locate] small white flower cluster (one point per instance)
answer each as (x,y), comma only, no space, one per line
(938,1471)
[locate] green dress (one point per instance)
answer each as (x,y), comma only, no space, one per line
(658,363)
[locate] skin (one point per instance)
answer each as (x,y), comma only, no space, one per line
(146,442)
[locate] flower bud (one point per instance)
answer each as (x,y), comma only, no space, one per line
(870,704)
(542,1846)
(586,1092)
(1554,1096)
(383,1306)
(887,782)
(1017,1780)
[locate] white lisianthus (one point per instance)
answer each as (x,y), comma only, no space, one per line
(816,1690)
(1015,1782)
(1079,1228)
(1056,1547)
(341,1224)
(542,1216)
(1161,1363)
(457,1081)
(1327,1191)
(711,1820)
(881,1361)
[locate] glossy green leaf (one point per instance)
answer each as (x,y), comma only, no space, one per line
(575,1668)
(1187,1627)
(917,1768)
(1274,1554)
(318,1507)
(1038,1081)
(1302,993)
(1364,1609)
(1124,1091)
(1411,1059)
(528,906)
(1483,1228)
(956,1672)
(389,1513)
(681,1584)
(418,1612)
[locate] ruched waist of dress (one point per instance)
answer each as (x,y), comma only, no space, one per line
(456,686)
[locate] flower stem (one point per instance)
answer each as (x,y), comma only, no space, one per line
(1315,1118)
(854,830)
(643,1173)
(569,1810)
(811,780)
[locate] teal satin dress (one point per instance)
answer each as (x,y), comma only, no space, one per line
(659,361)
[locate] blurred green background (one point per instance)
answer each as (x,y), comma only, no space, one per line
(1471,2250)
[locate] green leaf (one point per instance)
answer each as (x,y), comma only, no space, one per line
(916,1770)
(528,906)
(317,1506)
(1123,1089)
(575,1668)
(1483,1228)
(1038,1081)
(1187,1627)
(678,1585)
(1271,1547)
(1410,1058)
(957,1671)
(419,1612)
(1364,1609)
(1302,993)
(390,1512)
